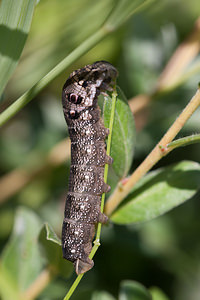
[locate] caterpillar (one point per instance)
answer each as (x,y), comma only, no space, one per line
(88,158)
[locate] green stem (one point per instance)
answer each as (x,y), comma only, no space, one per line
(96,242)
(97,239)
(57,70)
(188,140)
(73,287)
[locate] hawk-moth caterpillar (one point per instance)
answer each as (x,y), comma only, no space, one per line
(88,158)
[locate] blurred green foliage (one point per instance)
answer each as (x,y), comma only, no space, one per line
(162,254)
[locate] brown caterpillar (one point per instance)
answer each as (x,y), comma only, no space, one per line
(88,158)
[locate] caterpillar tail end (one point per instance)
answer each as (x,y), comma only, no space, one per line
(83,266)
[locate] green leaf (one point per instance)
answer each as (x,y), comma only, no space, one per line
(132,290)
(8,288)
(21,259)
(53,252)
(158,294)
(51,235)
(158,192)
(101,295)
(123,137)
(15,21)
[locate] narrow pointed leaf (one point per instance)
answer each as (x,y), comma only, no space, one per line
(15,21)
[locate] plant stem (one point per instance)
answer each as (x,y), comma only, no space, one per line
(112,114)
(57,70)
(73,287)
(156,154)
(96,242)
(188,140)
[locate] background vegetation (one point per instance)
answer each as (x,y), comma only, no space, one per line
(161,254)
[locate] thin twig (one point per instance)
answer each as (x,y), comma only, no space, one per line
(156,154)
(185,141)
